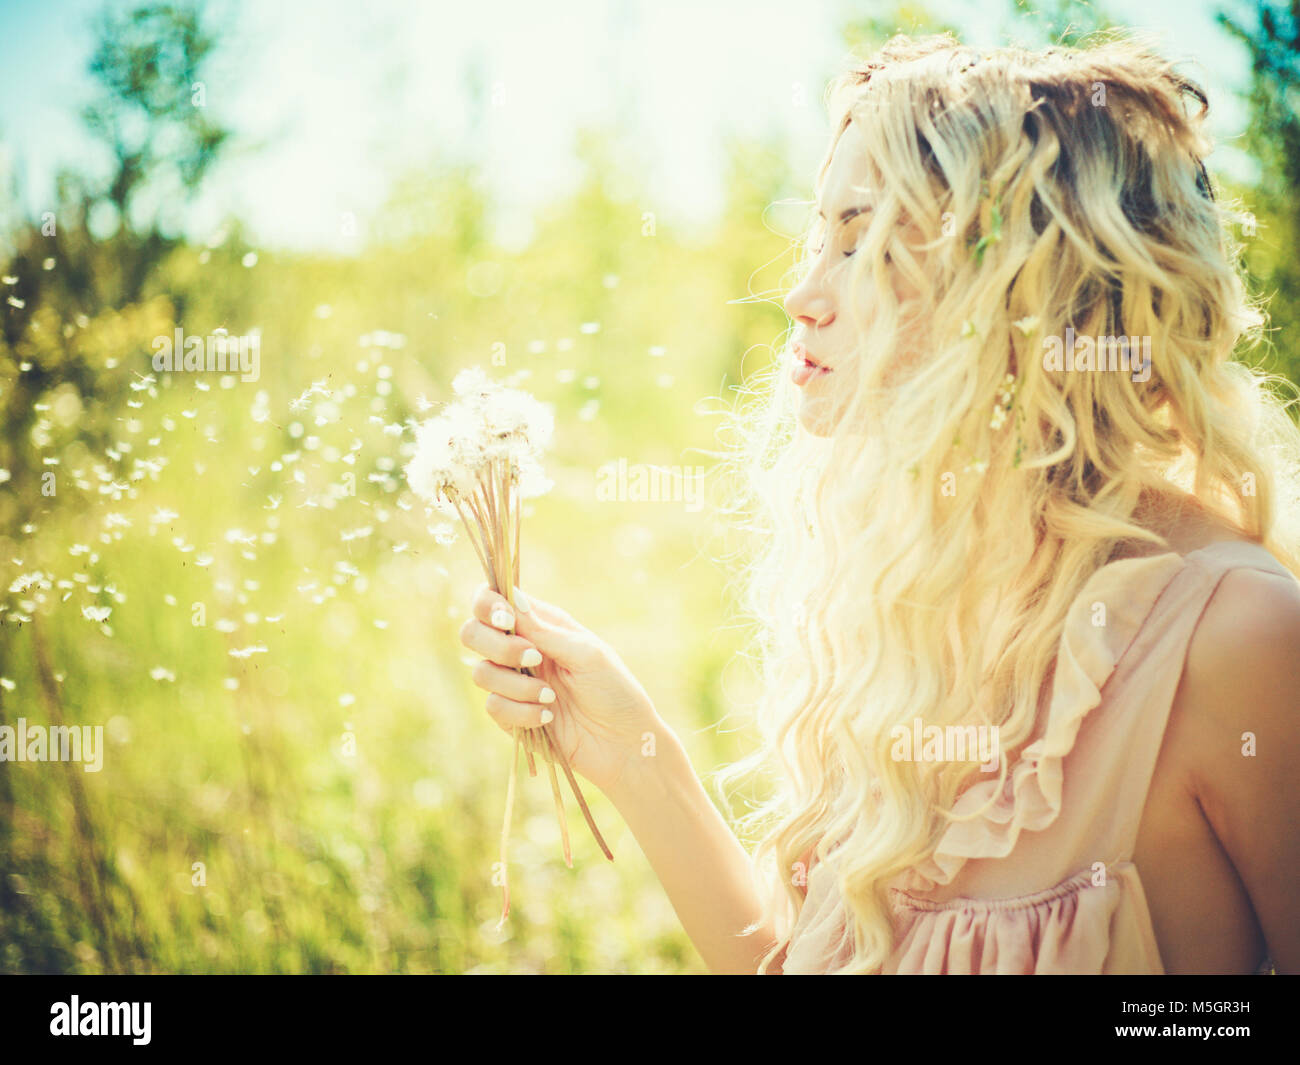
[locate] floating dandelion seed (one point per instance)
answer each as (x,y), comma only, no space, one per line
(479,459)
(27,580)
(96,613)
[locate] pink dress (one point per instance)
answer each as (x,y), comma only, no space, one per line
(1044,881)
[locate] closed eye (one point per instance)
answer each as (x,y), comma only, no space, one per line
(847,217)
(818,251)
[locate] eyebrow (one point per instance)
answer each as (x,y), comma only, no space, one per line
(848,212)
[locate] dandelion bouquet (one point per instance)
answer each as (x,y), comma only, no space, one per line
(478,460)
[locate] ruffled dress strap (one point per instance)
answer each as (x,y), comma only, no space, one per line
(1069,899)
(1125,637)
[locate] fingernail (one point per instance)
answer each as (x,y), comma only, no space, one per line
(501,618)
(521,601)
(547,717)
(532,657)
(547,696)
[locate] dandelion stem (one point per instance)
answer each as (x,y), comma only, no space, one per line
(530,745)
(559,807)
(577,791)
(518,509)
(505,833)
(509,544)
(469,529)
(486,479)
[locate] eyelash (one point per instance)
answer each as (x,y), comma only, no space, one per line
(821,232)
(820,248)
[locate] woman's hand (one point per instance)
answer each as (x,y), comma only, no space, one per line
(601,712)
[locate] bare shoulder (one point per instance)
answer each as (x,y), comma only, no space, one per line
(1248,635)
(1239,704)
(1242,669)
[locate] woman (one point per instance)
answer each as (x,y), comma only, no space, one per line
(991,521)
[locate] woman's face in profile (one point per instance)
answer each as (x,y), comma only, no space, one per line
(820,304)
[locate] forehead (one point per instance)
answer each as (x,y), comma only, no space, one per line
(847,177)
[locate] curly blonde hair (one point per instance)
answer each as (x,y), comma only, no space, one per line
(918,562)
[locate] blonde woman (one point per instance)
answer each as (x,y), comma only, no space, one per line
(989,527)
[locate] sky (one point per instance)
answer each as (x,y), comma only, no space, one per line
(329,100)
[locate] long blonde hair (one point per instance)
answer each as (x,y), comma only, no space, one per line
(918,562)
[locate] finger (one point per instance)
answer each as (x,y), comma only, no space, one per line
(526,611)
(512,651)
(508,713)
(492,609)
(517,686)
(555,635)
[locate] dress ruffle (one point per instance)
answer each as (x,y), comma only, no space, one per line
(1069,928)
(1086,656)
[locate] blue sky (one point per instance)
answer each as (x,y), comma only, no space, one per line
(331,99)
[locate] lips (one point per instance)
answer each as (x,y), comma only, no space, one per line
(801,354)
(803,368)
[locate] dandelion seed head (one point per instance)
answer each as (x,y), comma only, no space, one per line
(473,383)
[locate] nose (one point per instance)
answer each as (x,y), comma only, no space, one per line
(807,303)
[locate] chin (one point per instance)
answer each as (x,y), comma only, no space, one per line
(817,415)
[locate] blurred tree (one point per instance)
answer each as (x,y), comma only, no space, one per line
(868,32)
(70,277)
(83,301)
(1271,35)
(1062,22)
(151,113)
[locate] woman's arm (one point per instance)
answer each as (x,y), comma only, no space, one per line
(603,718)
(700,863)
(1243,673)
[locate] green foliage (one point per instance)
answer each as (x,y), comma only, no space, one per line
(866,33)
(332,803)
(151,111)
(1070,23)
(298,774)
(1272,37)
